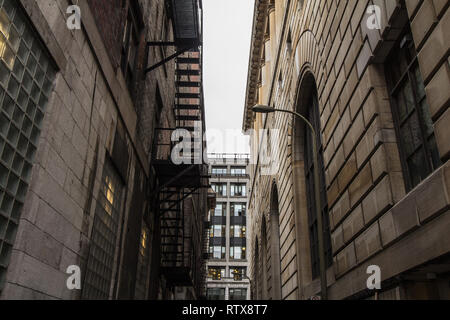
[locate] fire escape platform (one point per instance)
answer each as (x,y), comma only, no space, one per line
(180,176)
(181,276)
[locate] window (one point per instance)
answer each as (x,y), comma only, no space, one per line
(414,127)
(238,171)
(26,82)
(215,293)
(143,264)
(238,190)
(220,210)
(238,209)
(217,252)
(313,117)
(216,273)
(217,231)
(220,189)
(237,253)
(130,43)
(218,171)
(104,235)
(238,294)
(237,231)
(238,273)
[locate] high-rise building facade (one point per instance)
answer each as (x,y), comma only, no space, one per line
(227,266)
(373,79)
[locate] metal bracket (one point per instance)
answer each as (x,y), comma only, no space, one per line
(179,52)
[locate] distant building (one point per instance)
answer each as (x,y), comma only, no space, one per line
(374,81)
(227,266)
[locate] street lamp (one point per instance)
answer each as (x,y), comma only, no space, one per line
(323,276)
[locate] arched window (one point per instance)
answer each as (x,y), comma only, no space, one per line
(312,114)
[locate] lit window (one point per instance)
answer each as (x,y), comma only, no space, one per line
(220,189)
(238,209)
(238,190)
(237,253)
(103,238)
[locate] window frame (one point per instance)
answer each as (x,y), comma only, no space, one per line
(408,77)
(312,114)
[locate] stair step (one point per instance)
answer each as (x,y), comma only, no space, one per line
(188,95)
(182,72)
(188,84)
(187,106)
(188,118)
(188,60)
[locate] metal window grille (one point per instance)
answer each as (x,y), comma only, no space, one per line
(26,81)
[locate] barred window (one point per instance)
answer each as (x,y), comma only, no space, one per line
(27,77)
(414,128)
(313,117)
(104,234)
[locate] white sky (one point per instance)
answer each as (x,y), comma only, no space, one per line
(227,32)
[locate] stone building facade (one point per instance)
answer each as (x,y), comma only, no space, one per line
(227,266)
(78,117)
(373,77)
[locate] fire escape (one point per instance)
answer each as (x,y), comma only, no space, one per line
(182,198)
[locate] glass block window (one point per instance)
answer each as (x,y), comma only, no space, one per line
(104,235)
(27,75)
(414,128)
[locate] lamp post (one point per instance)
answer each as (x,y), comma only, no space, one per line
(323,275)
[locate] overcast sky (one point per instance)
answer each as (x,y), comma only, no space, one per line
(227,33)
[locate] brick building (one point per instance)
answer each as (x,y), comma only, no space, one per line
(227,265)
(377,90)
(82,166)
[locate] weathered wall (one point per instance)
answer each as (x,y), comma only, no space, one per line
(89,107)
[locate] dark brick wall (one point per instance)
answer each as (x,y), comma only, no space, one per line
(109,15)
